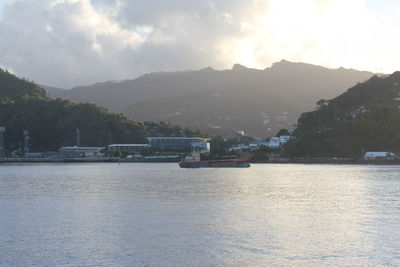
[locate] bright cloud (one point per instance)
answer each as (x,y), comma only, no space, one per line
(72,42)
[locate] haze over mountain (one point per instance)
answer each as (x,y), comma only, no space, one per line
(258,102)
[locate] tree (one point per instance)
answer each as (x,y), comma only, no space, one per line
(321,103)
(282,132)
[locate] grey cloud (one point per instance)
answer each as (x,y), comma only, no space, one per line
(60,43)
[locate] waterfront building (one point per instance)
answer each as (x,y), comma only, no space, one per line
(239,147)
(128,148)
(77,151)
(35,155)
(274,142)
(380,155)
(180,143)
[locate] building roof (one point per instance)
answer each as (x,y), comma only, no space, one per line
(81,148)
(129,145)
(174,138)
(378,153)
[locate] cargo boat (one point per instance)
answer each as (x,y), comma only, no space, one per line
(193,161)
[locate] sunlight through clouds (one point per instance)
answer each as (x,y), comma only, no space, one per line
(332,33)
(86,41)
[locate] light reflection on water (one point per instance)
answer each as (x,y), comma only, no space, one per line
(158,214)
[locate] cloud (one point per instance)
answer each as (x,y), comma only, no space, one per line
(333,33)
(72,42)
(64,42)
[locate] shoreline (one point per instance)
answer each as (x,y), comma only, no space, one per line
(175,160)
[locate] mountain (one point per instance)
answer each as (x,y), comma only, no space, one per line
(52,123)
(222,102)
(365,118)
(259,102)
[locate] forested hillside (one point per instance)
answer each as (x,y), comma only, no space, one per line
(52,123)
(13,87)
(365,118)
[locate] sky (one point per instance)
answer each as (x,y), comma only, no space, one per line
(66,43)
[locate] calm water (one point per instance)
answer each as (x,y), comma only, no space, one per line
(160,215)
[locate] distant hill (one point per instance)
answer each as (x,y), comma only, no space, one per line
(365,118)
(222,102)
(53,91)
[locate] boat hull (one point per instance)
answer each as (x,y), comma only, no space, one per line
(243,162)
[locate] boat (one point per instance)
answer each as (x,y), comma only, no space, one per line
(193,161)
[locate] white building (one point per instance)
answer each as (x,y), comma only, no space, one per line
(274,142)
(380,155)
(240,133)
(180,143)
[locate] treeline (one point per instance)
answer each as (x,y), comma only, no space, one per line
(53,123)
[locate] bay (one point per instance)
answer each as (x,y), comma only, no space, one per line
(161,215)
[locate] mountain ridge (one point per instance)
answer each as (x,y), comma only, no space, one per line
(288,87)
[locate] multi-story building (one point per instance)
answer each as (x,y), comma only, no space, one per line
(77,151)
(180,143)
(128,148)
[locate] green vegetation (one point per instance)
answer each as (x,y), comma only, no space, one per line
(165,129)
(13,87)
(53,123)
(282,132)
(365,118)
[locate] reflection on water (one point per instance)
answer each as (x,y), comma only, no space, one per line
(158,214)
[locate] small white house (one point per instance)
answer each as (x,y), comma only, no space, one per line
(380,155)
